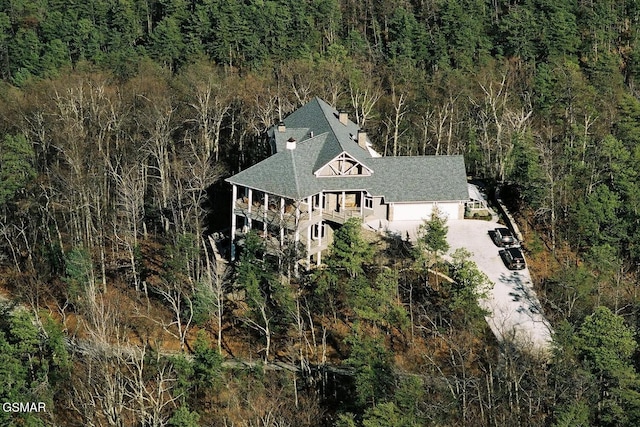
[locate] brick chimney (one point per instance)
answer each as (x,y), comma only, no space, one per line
(281,127)
(343,117)
(291,143)
(362,139)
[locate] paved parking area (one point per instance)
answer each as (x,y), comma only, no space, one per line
(515,309)
(514,305)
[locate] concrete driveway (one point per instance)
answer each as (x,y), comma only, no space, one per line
(515,311)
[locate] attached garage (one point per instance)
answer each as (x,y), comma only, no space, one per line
(413,211)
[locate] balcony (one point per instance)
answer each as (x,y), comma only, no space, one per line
(289,218)
(342,216)
(270,215)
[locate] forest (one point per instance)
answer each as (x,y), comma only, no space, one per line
(119,121)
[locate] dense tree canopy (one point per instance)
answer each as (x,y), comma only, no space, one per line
(119,120)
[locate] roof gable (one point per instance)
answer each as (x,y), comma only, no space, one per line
(343,165)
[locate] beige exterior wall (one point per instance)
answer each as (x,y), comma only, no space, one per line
(380,210)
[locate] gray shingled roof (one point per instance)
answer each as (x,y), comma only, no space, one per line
(287,173)
(290,173)
(420,178)
(319,117)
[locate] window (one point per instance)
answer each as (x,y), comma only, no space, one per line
(317,231)
(316,201)
(368,202)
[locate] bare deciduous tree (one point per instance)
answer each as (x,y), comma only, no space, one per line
(131,185)
(217,276)
(500,120)
(181,304)
(150,397)
(364,91)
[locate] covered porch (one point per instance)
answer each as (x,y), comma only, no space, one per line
(340,206)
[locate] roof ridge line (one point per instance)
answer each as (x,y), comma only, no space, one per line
(314,137)
(317,99)
(295,173)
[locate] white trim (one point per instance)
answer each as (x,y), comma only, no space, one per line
(250,202)
(317,204)
(318,231)
(234,196)
(264,213)
(344,156)
(281,221)
(309,246)
(368,202)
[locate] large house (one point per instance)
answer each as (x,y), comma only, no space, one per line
(323,171)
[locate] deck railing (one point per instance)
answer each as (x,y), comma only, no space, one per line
(273,214)
(340,217)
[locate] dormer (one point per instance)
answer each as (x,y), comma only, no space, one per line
(343,165)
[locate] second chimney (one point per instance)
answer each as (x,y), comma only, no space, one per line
(343,117)
(362,139)
(281,127)
(291,143)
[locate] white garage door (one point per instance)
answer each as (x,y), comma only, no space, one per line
(414,211)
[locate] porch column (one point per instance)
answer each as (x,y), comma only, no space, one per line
(318,258)
(309,246)
(320,228)
(281,221)
(297,232)
(249,207)
(321,202)
(361,202)
(310,203)
(234,196)
(344,201)
(265,208)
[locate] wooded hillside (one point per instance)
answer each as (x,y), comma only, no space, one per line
(119,120)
